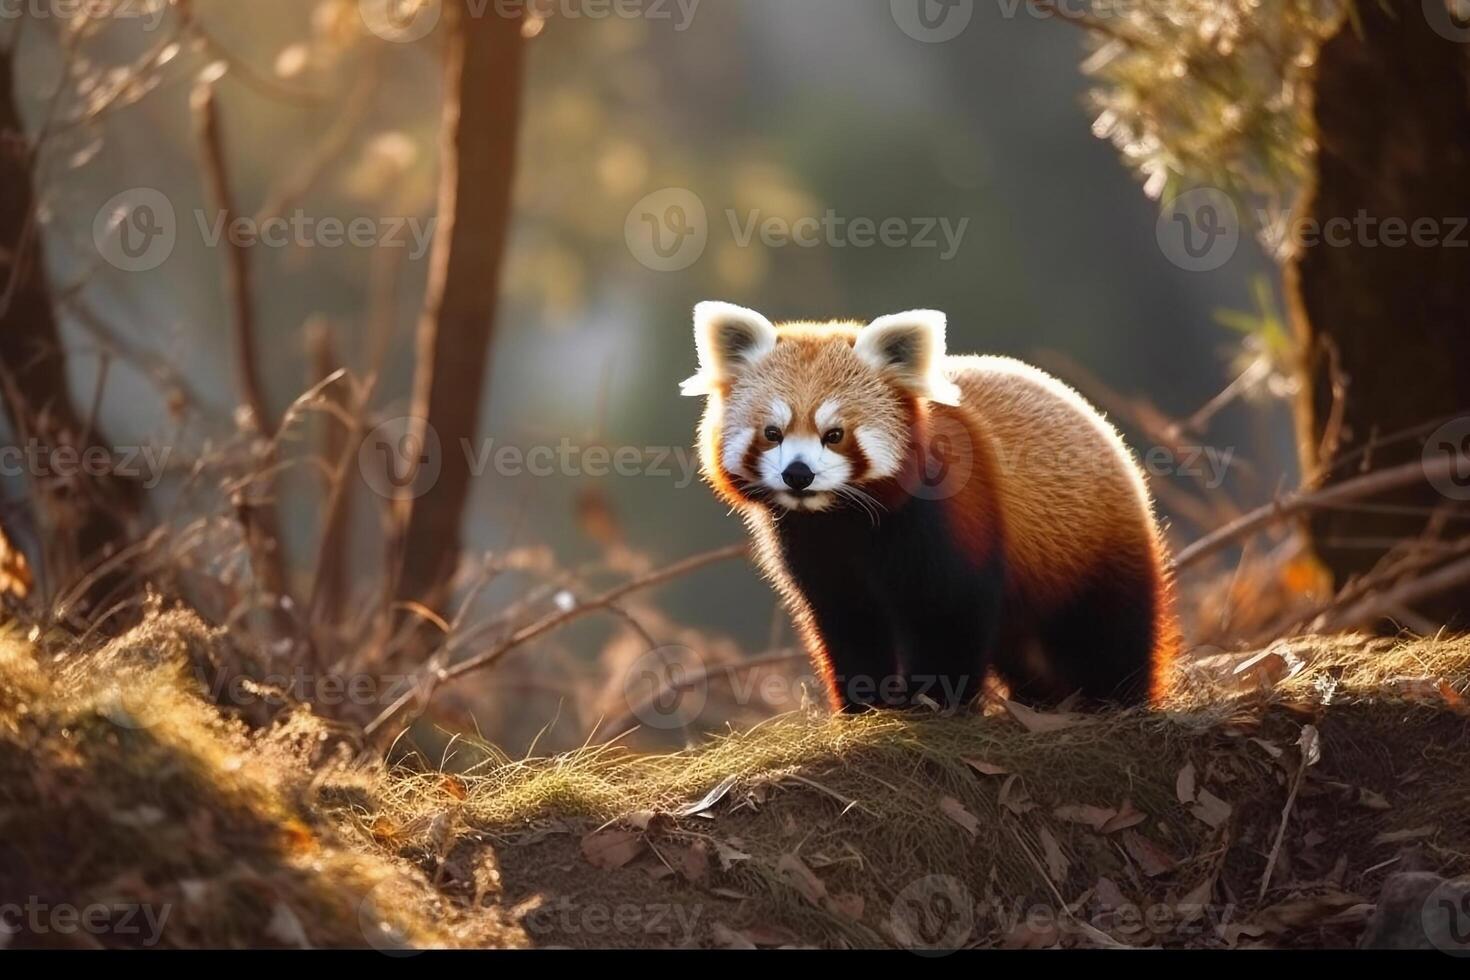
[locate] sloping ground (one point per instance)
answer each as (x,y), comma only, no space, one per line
(1145,828)
(133,814)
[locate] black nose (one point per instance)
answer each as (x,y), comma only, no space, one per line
(798,476)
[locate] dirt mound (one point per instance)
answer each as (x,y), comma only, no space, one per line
(1265,805)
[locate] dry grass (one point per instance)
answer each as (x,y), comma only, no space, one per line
(121,787)
(876,830)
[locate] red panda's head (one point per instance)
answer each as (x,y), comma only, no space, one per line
(802,416)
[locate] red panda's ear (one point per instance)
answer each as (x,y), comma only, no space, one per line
(729,340)
(910,348)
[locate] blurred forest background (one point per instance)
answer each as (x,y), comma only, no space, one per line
(1054,139)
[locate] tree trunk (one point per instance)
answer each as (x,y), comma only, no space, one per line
(481,123)
(82,518)
(1382,318)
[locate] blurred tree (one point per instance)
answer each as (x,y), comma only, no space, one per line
(481,125)
(83,514)
(1333,117)
(1391,113)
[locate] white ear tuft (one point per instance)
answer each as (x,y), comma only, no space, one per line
(729,340)
(910,348)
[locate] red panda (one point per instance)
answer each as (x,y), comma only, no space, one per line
(929,518)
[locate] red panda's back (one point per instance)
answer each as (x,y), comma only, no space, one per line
(1071,494)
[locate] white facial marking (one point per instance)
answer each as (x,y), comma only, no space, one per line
(780,414)
(882,454)
(826,415)
(737,444)
(830,469)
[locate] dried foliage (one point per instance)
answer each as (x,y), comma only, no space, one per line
(1210,92)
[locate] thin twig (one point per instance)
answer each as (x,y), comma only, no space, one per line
(428,682)
(1302,500)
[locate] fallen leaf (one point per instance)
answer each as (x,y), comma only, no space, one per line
(955,810)
(1056,862)
(1184,784)
(1310,743)
(1095,817)
(1265,669)
(794,870)
(1128,816)
(727,938)
(692,861)
(1399,836)
(640,819)
(1040,721)
(986,768)
(710,799)
(611,848)
(1192,905)
(727,855)
(286,928)
(1108,894)
(1298,912)
(1152,859)
(1013,796)
(1211,809)
(1372,800)
(1274,751)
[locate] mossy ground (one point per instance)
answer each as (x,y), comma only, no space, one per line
(119,783)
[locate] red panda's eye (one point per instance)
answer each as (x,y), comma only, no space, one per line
(773,434)
(833,437)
